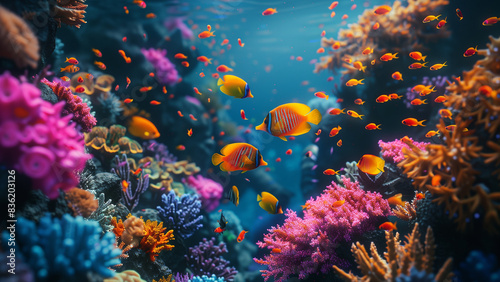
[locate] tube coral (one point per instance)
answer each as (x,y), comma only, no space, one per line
(181,214)
(165,70)
(210,191)
(206,259)
(308,244)
(35,140)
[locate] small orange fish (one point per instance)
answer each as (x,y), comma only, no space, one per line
(72,61)
(397,76)
(335,131)
(197,91)
(373,62)
(224,68)
(431,133)
(388,57)
(382,99)
(376,26)
(336,111)
(491,21)
(204,59)
(124,39)
(202,74)
(333,5)
(359,101)
(276,250)
(318,132)
(359,66)
(441,23)
(382,10)
(89,76)
(367,51)
(240,43)
(451,127)
(470,51)
(128,100)
(145,89)
(206,33)
(373,126)
(124,56)
(215,75)
(241,236)
(124,185)
(354,114)
(128,82)
(80,79)
(278,160)
(396,200)
(336,45)
(354,82)
(321,95)
(70,69)
(339,143)
(150,16)
(100,65)
(413,122)
(345,16)
(180,147)
(418,102)
(65,78)
(430,18)
(332,14)
(445,113)
(420,196)
(152,74)
(180,114)
(394,96)
(243,116)
(219,230)
(154,102)
(320,50)
(323,33)
(80,89)
(192,117)
(388,226)
(190,132)
(438,66)
(288,152)
(485,90)
(347,60)
(97,53)
(338,204)
(269,11)
(180,56)
(417,56)
(224,42)
(185,64)
(330,172)
(417,65)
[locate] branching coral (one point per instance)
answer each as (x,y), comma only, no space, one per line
(154,240)
(70,12)
(35,140)
(82,202)
(393,150)
(206,259)
(181,214)
(165,70)
(132,190)
(307,245)
(111,141)
(17,41)
(74,105)
(399,260)
(210,191)
(103,213)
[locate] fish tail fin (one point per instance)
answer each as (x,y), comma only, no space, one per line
(438,16)
(342,111)
(209,61)
(421,122)
(326,97)
(220,81)
(362,80)
(314,116)
(66,60)
(394,56)
(217,159)
(424,64)
(360,117)
(259,198)
(62,70)
(378,126)
(363,68)
(423,58)
(444,64)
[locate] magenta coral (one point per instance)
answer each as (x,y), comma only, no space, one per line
(165,70)
(210,191)
(35,140)
(74,105)
(178,23)
(307,245)
(394,149)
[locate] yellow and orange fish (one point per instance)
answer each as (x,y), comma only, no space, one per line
(180,56)
(395,96)
(335,131)
(204,59)
(417,56)
(388,226)
(70,69)
(367,51)
(376,26)
(388,57)
(339,143)
(397,76)
(143,128)
(373,126)
(330,172)
(470,51)
(441,23)
(240,43)
(417,66)
(431,133)
(321,95)
(382,10)
(359,101)
(438,66)
(289,120)
(190,132)
(100,65)
(207,33)
(97,53)
(241,236)
(354,114)
(269,203)
(359,66)
(382,98)
(269,11)
(371,164)
(338,204)
(354,82)
(418,102)
(224,68)
(431,18)
(238,156)
(71,60)
(396,200)
(336,111)
(445,113)
(413,122)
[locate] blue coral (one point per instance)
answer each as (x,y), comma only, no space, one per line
(65,247)
(205,278)
(416,276)
(479,267)
(181,214)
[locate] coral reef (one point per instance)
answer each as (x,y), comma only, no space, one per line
(479,267)
(165,70)
(173,24)
(65,247)
(103,213)
(82,202)
(111,141)
(70,12)
(205,278)
(126,276)
(399,261)
(154,240)
(74,105)
(158,151)
(206,259)
(17,41)
(210,191)
(394,149)
(181,214)
(438,83)
(132,190)
(307,245)
(35,140)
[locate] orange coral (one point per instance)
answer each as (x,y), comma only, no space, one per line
(163,279)
(406,212)
(70,12)
(134,231)
(398,260)
(154,240)
(17,41)
(118,227)
(111,141)
(81,201)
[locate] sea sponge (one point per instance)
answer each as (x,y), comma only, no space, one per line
(133,231)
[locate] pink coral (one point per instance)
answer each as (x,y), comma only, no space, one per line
(394,149)
(307,245)
(74,105)
(178,23)
(35,140)
(210,191)
(165,70)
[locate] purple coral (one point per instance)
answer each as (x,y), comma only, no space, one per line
(394,149)
(307,245)
(158,151)
(440,86)
(178,23)
(210,191)
(35,140)
(133,191)
(182,215)
(165,70)
(74,105)
(206,259)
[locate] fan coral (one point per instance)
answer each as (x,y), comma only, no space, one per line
(65,247)
(74,105)
(206,259)
(70,12)
(182,215)
(394,149)
(17,41)
(130,195)
(308,244)
(154,240)
(82,202)
(210,191)
(126,276)
(165,70)
(399,260)
(35,140)
(111,140)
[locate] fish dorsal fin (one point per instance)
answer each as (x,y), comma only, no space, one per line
(299,108)
(228,149)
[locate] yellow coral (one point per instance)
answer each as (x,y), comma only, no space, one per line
(163,279)
(154,240)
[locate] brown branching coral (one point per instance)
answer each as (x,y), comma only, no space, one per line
(70,12)
(398,260)
(406,212)
(111,141)
(446,170)
(17,41)
(401,27)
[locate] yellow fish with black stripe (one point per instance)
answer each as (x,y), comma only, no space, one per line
(232,85)
(238,156)
(233,195)
(290,120)
(269,203)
